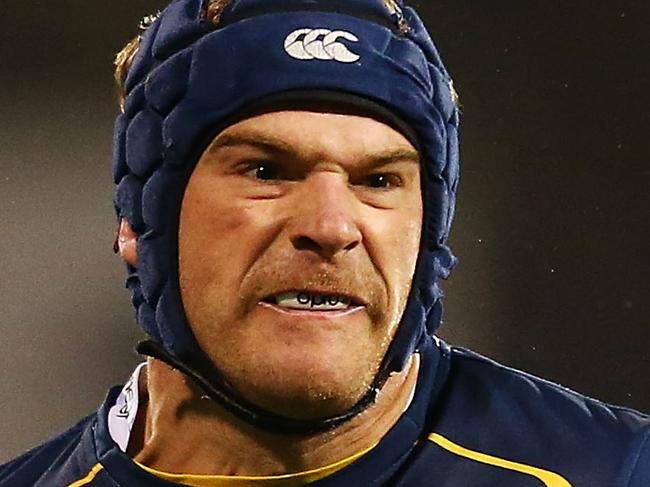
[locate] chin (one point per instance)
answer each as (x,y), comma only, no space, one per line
(305,401)
(299,371)
(307,388)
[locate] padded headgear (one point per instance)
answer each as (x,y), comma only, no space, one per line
(191,79)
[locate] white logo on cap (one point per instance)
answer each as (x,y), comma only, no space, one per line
(320,44)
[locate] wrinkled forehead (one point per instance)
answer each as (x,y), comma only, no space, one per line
(318,127)
(327,139)
(329,102)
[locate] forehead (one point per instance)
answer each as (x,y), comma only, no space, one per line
(316,134)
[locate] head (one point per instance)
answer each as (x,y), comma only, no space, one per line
(325,195)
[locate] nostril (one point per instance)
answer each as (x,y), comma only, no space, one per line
(352,245)
(305,243)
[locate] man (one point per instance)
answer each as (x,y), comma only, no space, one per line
(286,174)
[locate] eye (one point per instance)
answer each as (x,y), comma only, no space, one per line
(262,170)
(384,181)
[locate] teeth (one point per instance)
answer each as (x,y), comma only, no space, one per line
(304,300)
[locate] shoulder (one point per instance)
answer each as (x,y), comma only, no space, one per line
(489,408)
(28,468)
(509,391)
(61,460)
(470,369)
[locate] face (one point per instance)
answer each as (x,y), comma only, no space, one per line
(316,204)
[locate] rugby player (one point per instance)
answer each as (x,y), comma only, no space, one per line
(286,174)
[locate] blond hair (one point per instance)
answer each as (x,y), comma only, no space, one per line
(124,58)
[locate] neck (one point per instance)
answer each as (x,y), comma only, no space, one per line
(179,430)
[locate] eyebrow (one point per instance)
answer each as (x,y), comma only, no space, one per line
(277,145)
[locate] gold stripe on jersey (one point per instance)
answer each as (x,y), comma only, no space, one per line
(550,479)
(288,480)
(88,478)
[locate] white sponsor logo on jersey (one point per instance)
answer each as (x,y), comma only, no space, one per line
(320,44)
(122,415)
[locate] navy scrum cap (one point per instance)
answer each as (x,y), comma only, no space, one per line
(192,77)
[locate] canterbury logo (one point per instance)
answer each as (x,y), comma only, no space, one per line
(320,44)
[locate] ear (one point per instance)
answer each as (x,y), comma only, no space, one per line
(127,243)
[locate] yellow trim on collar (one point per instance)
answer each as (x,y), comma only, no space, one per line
(550,479)
(88,478)
(289,480)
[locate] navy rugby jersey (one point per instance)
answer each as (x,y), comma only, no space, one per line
(472,422)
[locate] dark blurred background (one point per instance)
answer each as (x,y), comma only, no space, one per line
(551,227)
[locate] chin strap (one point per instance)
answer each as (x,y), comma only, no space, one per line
(217,389)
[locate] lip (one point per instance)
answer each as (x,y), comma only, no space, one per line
(321,315)
(355,301)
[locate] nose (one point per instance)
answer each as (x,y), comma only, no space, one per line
(325,219)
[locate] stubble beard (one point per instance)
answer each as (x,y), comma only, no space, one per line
(283,384)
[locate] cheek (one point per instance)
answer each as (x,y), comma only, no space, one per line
(213,231)
(404,259)
(412,232)
(395,245)
(400,235)
(412,228)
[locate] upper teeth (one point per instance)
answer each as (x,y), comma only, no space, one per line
(306,300)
